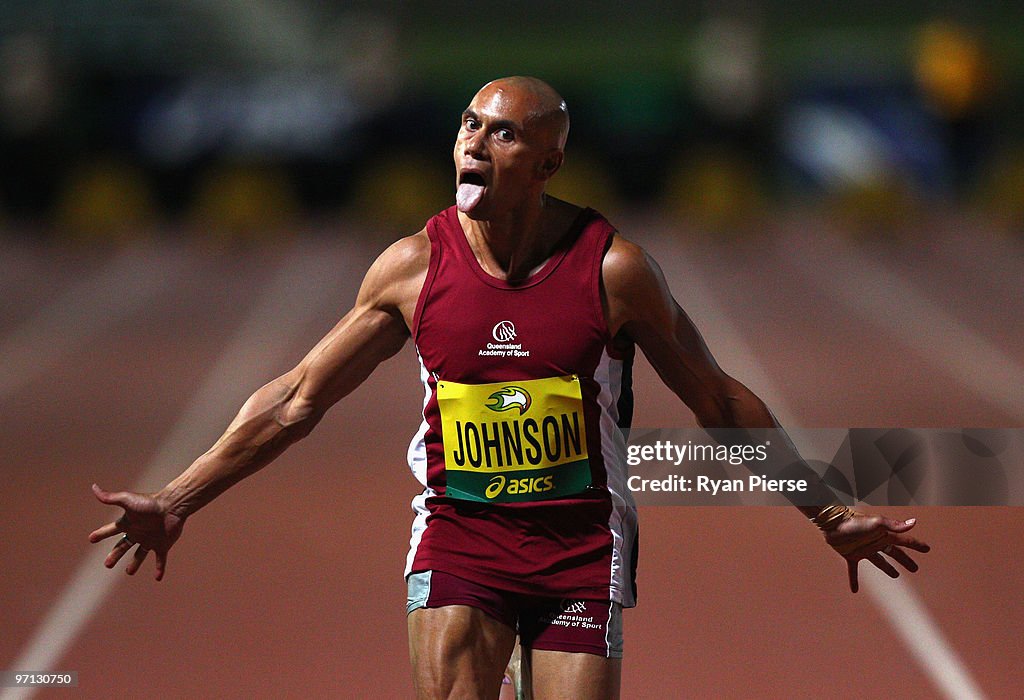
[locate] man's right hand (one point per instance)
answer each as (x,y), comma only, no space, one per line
(146,522)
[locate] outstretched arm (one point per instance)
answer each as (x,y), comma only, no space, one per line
(281,412)
(640,309)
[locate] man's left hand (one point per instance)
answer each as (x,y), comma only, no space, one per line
(869,537)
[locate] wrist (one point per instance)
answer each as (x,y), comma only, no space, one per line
(832,516)
(176,501)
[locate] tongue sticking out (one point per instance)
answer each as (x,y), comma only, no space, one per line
(468,196)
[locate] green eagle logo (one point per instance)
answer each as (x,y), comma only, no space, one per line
(510,397)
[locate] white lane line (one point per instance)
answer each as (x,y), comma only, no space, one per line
(881,297)
(305,284)
(911,620)
(86,310)
(897,600)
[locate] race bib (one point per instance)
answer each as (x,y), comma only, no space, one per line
(514,441)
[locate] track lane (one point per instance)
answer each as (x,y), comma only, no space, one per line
(270,573)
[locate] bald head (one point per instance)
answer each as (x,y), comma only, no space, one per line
(547,109)
(510,143)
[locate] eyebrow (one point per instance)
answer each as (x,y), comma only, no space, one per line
(497,124)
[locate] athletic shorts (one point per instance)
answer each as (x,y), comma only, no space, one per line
(551,624)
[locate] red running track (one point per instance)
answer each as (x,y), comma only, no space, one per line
(290,585)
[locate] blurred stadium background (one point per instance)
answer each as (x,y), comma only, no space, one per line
(190,192)
(223,117)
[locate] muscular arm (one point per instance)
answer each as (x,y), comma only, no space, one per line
(288,408)
(280,413)
(640,308)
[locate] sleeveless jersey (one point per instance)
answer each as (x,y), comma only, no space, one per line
(521,451)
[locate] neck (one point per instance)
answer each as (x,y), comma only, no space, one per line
(514,245)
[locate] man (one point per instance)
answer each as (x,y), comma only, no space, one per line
(525,311)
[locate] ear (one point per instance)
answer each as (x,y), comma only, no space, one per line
(551,163)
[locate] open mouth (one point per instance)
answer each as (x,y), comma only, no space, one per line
(471,178)
(470,191)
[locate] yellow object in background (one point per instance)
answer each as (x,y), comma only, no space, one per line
(105,201)
(399,193)
(716,190)
(951,68)
(244,202)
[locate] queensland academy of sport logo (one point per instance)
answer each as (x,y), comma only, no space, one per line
(504,332)
(573,607)
(508,398)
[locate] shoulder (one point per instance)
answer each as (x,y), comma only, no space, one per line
(406,255)
(626,265)
(398,272)
(633,286)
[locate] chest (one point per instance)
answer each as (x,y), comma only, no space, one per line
(473,332)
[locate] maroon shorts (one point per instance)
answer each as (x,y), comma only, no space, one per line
(552,624)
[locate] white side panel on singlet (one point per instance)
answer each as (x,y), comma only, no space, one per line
(623,519)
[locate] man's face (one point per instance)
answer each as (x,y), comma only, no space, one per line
(502,156)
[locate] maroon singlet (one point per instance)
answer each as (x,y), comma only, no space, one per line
(521,451)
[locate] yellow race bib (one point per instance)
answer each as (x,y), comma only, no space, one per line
(514,441)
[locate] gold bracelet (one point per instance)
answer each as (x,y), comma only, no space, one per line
(830,517)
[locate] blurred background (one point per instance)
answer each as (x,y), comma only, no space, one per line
(192,190)
(226,118)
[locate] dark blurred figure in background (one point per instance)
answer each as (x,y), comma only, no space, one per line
(32,134)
